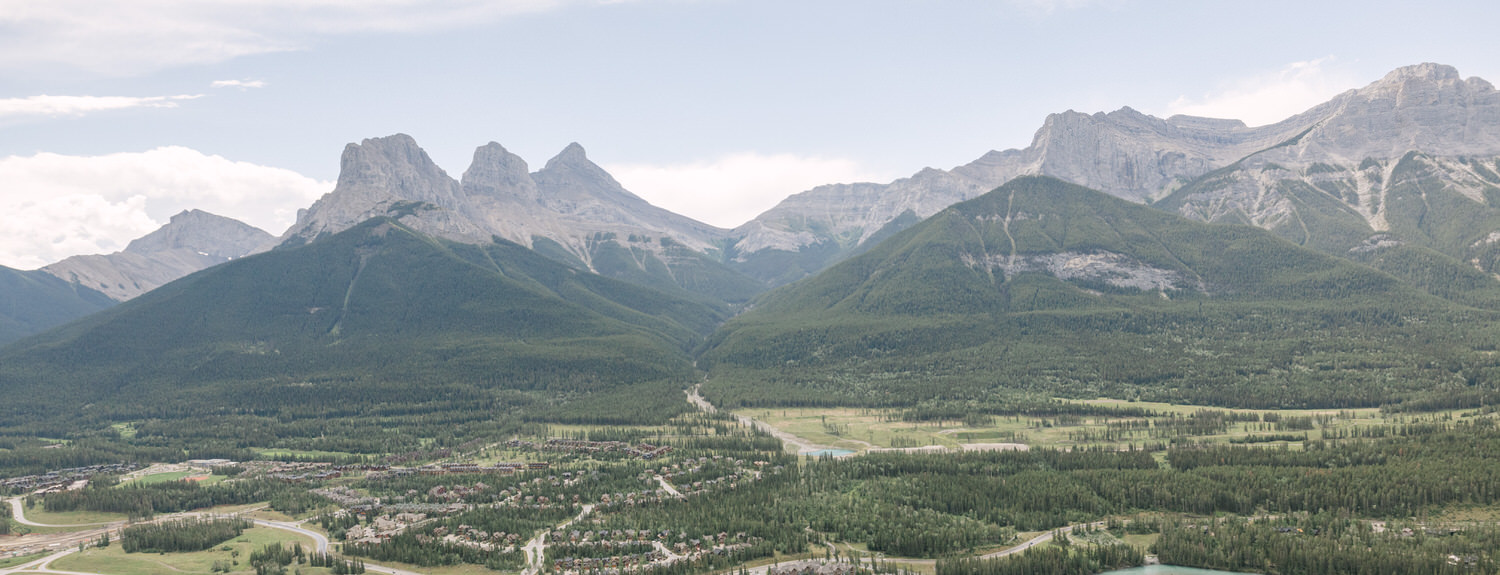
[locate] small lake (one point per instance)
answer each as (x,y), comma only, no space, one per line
(833,452)
(1168,570)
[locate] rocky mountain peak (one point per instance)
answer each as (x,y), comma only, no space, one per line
(395,165)
(203,233)
(573,154)
(379,176)
(571,174)
(495,171)
(191,241)
(1426,72)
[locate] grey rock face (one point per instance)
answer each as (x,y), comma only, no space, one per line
(1124,153)
(1358,156)
(388,176)
(570,203)
(191,241)
(1346,148)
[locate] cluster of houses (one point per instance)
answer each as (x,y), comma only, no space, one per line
(62,478)
(383,528)
(812,568)
(724,472)
(467,536)
(685,549)
(348,498)
(612,565)
(501,468)
(641,450)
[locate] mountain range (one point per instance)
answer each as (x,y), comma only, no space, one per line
(1353,228)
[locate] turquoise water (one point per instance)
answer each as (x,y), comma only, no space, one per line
(1168,570)
(833,452)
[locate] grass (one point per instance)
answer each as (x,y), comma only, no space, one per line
(175,476)
(13,561)
(113,560)
(279,452)
(859,429)
(79,518)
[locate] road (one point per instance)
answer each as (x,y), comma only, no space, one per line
(293,527)
(536,548)
(69,542)
(668,487)
(17,512)
(1038,540)
(803,446)
(43,565)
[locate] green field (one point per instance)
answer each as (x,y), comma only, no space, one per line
(79,518)
(860,429)
(176,476)
(113,560)
(9,562)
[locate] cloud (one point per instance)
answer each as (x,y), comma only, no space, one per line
(55,106)
(123,38)
(241,84)
(54,206)
(1271,97)
(732,189)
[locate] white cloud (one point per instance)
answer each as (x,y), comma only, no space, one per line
(53,206)
(79,105)
(732,189)
(122,38)
(241,84)
(1271,97)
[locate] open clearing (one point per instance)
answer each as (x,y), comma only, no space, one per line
(113,560)
(872,430)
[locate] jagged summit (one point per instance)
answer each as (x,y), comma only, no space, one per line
(496,171)
(572,155)
(571,209)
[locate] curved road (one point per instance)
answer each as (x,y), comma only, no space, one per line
(17,512)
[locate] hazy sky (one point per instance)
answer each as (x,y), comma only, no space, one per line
(116,114)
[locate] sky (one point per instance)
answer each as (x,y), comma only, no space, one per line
(116,115)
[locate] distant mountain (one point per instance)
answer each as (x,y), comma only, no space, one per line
(1048,288)
(376,316)
(1348,174)
(32,301)
(1393,173)
(571,210)
(1124,153)
(191,241)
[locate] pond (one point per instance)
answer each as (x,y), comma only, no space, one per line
(1168,570)
(833,452)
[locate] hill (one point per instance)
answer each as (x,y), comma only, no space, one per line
(377,319)
(1046,288)
(32,301)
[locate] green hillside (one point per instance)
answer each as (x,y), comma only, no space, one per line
(1440,220)
(32,301)
(377,320)
(1042,288)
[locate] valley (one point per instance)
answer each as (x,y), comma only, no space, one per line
(1138,340)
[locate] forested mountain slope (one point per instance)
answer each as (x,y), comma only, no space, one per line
(32,301)
(378,317)
(1048,288)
